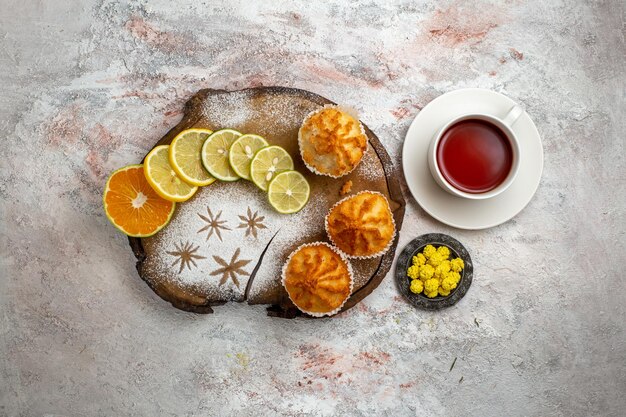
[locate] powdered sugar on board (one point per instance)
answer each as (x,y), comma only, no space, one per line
(370,166)
(209,250)
(214,241)
(226,110)
(278,115)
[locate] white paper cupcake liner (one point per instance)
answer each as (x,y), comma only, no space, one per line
(350,272)
(352,112)
(377,254)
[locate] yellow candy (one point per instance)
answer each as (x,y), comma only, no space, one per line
(431,285)
(417,286)
(432,273)
(426,272)
(448,284)
(435,259)
(429,250)
(457,264)
(443,251)
(413,272)
(441,269)
(419,259)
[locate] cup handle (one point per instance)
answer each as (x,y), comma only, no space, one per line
(512,116)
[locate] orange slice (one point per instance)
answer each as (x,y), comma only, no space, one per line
(132,205)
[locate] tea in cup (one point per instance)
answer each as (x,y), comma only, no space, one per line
(476,156)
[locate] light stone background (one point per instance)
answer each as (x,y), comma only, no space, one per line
(86,87)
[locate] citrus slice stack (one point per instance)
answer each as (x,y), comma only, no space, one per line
(288,192)
(185,158)
(132,205)
(215,154)
(163,178)
(242,151)
(267,163)
(140,199)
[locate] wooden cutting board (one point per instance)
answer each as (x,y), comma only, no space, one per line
(227,243)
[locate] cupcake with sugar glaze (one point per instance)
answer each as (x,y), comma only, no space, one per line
(362,225)
(318,279)
(332,141)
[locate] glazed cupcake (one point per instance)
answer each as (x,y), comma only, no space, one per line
(318,279)
(362,225)
(332,141)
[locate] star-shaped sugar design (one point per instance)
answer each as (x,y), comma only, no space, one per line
(213,224)
(251,222)
(231,269)
(186,255)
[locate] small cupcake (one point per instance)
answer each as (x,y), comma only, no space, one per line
(332,141)
(362,225)
(318,279)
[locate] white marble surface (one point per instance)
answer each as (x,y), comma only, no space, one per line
(88,86)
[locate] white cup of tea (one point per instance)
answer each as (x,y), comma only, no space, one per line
(476,155)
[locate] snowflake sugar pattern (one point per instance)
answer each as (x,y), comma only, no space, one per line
(251,222)
(231,270)
(185,254)
(213,224)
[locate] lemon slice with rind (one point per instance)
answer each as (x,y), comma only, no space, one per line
(288,192)
(215,154)
(185,156)
(267,163)
(162,177)
(242,151)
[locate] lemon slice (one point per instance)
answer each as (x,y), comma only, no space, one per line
(288,192)
(242,151)
(267,163)
(215,154)
(185,158)
(163,179)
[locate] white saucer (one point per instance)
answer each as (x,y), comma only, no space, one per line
(456,211)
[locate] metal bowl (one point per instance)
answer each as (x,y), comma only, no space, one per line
(457,250)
